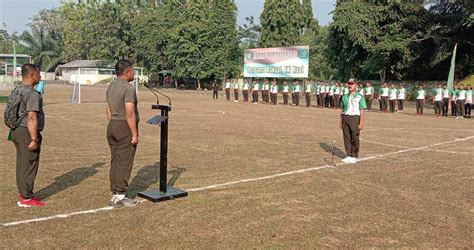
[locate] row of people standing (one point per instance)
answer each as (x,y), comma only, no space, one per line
(328,95)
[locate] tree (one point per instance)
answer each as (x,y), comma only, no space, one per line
(78,33)
(43,49)
(281,22)
(249,34)
(204,45)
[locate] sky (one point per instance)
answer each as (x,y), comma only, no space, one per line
(16,14)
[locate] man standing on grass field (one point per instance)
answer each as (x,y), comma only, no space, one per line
(227,90)
(285,92)
(468,107)
(122,132)
(420,100)
(25,117)
(236,90)
(369,95)
(255,89)
(307,93)
(460,101)
(445,99)
(401,96)
(215,90)
(352,121)
(438,98)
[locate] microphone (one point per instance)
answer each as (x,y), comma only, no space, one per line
(167,97)
(152,91)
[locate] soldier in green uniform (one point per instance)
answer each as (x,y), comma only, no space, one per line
(122,132)
(352,121)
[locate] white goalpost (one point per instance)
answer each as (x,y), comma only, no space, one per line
(76,91)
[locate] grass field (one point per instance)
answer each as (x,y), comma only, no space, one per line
(414,185)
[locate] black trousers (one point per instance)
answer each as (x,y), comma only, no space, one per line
(318,102)
(445,106)
(368,101)
(255,96)
(122,153)
(337,100)
(460,107)
(285,98)
(400,104)
(274,98)
(308,99)
(246,95)
(392,105)
(27,162)
(453,108)
(331,100)
(384,103)
(297,98)
(236,94)
(351,132)
(215,95)
(419,106)
(227,94)
(468,109)
(437,107)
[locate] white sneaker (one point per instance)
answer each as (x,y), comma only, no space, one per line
(353,160)
(347,159)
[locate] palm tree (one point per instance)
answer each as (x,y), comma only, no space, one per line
(44,49)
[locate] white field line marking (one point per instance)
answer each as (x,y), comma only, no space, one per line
(91,211)
(398,146)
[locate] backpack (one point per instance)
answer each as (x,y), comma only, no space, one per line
(11,116)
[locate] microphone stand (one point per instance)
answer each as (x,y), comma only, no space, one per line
(165,192)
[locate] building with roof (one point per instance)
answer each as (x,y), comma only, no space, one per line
(90,72)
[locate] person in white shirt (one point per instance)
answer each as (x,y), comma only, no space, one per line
(266,91)
(468,107)
(227,90)
(322,94)
(384,94)
(236,90)
(392,97)
(255,89)
(245,90)
(331,95)
(327,101)
(420,100)
(361,89)
(460,102)
(285,92)
(454,96)
(352,121)
(318,92)
(296,92)
(437,98)
(307,93)
(401,96)
(369,95)
(274,92)
(445,100)
(337,95)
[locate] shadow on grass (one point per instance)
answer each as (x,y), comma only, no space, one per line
(149,175)
(69,179)
(337,152)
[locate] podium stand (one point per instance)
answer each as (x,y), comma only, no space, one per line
(165,192)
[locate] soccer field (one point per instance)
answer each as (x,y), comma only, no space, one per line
(258,176)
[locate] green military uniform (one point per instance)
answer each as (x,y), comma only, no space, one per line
(27,162)
(119,135)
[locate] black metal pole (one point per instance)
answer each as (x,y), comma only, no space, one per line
(164,152)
